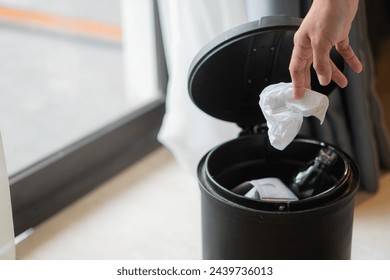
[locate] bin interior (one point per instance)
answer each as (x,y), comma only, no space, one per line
(252,157)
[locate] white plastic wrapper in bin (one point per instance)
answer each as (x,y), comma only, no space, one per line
(272,189)
(284,114)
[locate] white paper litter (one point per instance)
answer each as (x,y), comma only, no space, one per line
(284,114)
(271,189)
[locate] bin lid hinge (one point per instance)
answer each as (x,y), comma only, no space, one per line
(253,129)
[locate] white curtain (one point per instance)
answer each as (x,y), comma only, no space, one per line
(7,243)
(187,25)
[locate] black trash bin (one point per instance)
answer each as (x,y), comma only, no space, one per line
(225,81)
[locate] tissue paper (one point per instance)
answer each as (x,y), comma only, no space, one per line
(284,114)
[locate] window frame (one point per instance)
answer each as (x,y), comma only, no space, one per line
(47,186)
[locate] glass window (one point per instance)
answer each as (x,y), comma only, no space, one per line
(69,68)
(81,96)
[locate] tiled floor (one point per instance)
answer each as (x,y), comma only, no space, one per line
(150,211)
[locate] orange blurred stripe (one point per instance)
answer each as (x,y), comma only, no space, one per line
(64,23)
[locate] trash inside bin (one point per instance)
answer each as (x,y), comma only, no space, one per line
(271,189)
(259,202)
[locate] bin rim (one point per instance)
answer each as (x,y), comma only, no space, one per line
(346,186)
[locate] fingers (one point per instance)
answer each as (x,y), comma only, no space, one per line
(325,68)
(327,71)
(321,61)
(338,77)
(300,85)
(299,75)
(349,55)
(299,67)
(318,53)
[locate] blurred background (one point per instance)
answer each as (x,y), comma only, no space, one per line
(82,86)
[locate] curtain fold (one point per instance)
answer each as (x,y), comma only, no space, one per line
(187,25)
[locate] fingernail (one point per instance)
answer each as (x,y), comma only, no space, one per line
(323,80)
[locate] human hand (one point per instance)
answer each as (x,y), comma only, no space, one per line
(327,24)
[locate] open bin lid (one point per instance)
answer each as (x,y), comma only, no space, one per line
(228,74)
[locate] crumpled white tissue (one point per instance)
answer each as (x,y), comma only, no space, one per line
(284,114)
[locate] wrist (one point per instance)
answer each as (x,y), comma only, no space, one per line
(340,8)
